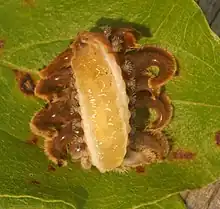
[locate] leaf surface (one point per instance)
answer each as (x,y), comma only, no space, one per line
(34,32)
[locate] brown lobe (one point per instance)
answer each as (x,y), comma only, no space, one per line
(59,122)
(162,106)
(56,149)
(25,82)
(56,154)
(55,115)
(148,56)
(56,85)
(157,142)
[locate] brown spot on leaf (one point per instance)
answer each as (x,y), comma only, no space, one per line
(25,82)
(140,169)
(35,182)
(30,3)
(33,140)
(217,138)
(2,44)
(51,168)
(182,155)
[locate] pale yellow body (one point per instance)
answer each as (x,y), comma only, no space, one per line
(103,100)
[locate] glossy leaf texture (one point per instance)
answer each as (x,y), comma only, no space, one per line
(33,32)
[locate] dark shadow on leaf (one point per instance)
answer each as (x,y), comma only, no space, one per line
(145,31)
(80,196)
(142,117)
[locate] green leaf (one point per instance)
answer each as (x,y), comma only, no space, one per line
(170,202)
(34,32)
(27,183)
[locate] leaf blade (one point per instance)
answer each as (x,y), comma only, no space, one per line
(194,94)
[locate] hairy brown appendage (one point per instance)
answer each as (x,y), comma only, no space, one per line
(148,86)
(161,105)
(25,82)
(148,56)
(56,78)
(59,122)
(56,152)
(147,148)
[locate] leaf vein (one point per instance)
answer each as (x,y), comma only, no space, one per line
(187,24)
(29,45)
(199,59)
(5,63)
(195,103)
(36,198)
(154,202)
(164,20)
(149,13)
